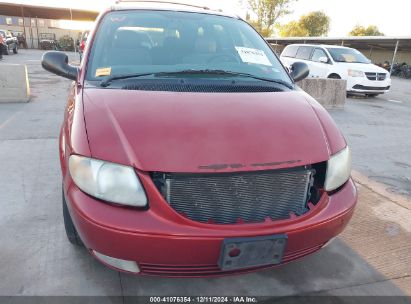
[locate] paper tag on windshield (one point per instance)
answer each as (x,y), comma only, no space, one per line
(256,56)
(103,72)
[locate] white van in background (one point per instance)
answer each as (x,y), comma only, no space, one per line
(338,62)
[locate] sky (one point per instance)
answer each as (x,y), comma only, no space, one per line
(392,18)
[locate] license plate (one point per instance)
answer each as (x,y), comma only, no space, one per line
(239,253)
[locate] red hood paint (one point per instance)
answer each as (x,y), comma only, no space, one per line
(203,132)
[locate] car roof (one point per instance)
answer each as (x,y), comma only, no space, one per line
(167,6)
(319,45)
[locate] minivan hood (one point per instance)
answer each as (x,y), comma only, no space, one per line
(203,132)
(365,67)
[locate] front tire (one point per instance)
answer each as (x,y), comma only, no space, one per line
(71,231)
(334,76)
(15,50)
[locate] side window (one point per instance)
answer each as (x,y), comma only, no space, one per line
(304,52)
(290,51)
(318,53)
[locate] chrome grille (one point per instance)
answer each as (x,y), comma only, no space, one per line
(376,76)
(245,197)
(381,76)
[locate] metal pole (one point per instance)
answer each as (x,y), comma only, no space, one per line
(71,32)
(24,26)
(393,57)
(31,34)
(37,31)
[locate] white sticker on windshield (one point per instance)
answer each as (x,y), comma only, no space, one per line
(256,56)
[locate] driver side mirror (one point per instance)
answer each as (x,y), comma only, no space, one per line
(323,59)
(57,63)
(299,71)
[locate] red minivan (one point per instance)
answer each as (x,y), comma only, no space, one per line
(188,150)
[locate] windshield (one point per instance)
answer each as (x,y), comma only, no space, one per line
(140,42)
(347,55)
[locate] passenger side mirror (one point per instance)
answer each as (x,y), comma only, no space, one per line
(299,71)
(57,63)
(323,59)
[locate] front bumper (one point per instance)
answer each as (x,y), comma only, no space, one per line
(165,243)
(365,86)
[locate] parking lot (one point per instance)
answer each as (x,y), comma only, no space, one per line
(372,256)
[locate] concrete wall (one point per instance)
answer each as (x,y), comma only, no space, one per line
(14,83)
(331,93)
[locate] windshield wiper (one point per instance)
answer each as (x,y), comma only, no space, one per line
(106,82)
(343,61)
(224,72)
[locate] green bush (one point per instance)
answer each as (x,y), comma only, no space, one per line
(66,43)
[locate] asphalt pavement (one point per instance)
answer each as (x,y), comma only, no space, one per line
(379,133)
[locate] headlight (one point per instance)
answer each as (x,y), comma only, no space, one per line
(107,181)
(355,73)
(338,169)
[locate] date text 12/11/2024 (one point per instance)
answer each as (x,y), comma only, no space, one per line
(204,299)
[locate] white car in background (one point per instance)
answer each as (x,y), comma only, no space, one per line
(338,62)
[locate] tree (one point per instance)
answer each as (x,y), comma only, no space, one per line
(315,23)
(265,32)
(311,25)
(268,12)
(371,30)
(292,29)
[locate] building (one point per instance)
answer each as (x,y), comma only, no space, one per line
(33,21)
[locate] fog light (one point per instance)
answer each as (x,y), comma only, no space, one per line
(234,253)
(124,265)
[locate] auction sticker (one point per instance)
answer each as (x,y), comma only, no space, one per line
(249,55)
(103,72)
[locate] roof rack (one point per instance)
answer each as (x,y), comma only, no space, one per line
(164,2)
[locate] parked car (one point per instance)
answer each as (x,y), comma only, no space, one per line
(48,41)
(330,61)
(1,47)
(10,43)
(82,43)
(21,39)
(198,156)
